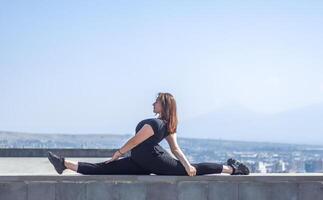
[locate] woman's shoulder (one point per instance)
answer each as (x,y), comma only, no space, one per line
(152,119)
(158,120)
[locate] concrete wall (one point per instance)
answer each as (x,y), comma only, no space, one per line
(34,152)
(146,187)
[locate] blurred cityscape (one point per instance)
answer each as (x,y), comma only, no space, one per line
(261,157)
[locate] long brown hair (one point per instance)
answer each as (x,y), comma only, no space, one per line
(169,112)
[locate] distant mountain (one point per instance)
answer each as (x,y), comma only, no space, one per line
(110,141)
(299,126)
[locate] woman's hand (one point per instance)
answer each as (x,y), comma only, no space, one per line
(191,170)
(115,156)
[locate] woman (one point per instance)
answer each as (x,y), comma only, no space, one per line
(147,156)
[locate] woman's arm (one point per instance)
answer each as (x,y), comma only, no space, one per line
(181,157)
(176,150)
(143,134)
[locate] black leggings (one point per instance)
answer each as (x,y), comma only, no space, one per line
(159,165)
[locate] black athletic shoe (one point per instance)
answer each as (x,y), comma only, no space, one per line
(238,167)
(57,161)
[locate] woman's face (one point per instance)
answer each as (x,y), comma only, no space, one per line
(157,106)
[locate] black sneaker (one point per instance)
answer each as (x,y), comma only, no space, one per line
(57,161)
(238,167)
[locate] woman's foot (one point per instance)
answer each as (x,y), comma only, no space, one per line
(238,167)
(57,161)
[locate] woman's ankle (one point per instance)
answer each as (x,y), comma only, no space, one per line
(227,169)
(71,165)
(65,164)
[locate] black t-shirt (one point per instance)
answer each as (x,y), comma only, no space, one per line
(150,147)
(160,131)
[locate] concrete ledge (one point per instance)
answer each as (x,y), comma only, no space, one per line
(34,152)
(219,186)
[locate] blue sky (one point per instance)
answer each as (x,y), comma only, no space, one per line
(96,66)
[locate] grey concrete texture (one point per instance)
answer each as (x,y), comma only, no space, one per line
(36,165)
(146,187)
(37,152)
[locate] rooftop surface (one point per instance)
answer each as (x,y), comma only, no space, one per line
(29,166)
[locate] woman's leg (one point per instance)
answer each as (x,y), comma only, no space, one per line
(121,166)
(165,164)
(170,166)
(201,168)
(211,168)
